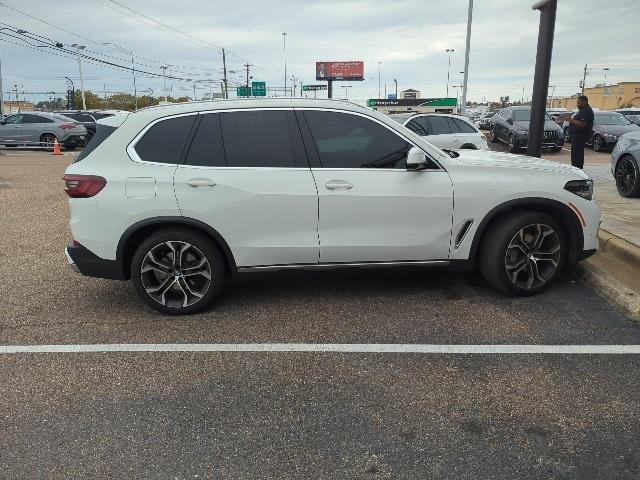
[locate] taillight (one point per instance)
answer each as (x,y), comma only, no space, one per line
(83,186)
(66,126)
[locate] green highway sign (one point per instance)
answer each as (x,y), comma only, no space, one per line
(313,88)
(259,89)
(243,91)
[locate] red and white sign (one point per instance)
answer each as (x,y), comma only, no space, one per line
(340,70)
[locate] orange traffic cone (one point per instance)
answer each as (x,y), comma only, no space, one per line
(56,148)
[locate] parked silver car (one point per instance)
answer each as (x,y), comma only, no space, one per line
(41,129)
(625,164)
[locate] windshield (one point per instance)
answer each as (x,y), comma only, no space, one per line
(525,116)
(611,119)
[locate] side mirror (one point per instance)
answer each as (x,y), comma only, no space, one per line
(416,159)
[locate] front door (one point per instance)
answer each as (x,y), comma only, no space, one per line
(11,129)
(246,175)
(371,209)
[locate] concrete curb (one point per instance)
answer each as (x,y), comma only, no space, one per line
(605,283)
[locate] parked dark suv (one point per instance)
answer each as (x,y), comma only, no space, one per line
(511,126)
(607,127)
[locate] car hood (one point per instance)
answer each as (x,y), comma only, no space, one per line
(548,125)
(500,159)
(616,130)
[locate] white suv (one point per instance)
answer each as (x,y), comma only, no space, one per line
(179,198)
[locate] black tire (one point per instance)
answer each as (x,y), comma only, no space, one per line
(47,140)
(493,135)
(512,144)
(598,143)
(495,253)
(567,136)
(556,149)
(627,176)
(169,280)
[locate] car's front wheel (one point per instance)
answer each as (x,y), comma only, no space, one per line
(522,253)
(493,135)
(513,147)
(627,175)
(178,272)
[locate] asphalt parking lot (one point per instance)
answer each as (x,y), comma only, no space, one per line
(317,414)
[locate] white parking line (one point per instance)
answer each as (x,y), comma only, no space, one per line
(329,348)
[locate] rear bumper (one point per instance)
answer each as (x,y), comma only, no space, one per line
(88,263)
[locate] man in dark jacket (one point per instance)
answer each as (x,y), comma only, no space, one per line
(580,126)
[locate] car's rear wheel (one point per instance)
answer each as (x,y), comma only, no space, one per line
(47,140)
(598,143)
(178,272)
(627,175)
(522,253)
(493,135)
(567,136)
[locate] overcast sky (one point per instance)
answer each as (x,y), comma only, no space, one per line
(409,37)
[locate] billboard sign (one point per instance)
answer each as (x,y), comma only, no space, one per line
(340,70)
(313,88)
(259,89)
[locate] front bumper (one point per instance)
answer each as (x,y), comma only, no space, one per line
(84,261)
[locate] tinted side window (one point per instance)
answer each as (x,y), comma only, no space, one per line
(439,125)
(28,118)
(164,142)
(351,141)
(14,119)
(102,133)
(257,139)
(461,126)
(420,126)
(206,148)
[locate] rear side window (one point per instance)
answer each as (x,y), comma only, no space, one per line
(102,133)
(420,126)
(259,138)
(28,118)
(206,148)
(165,141)
(439,125)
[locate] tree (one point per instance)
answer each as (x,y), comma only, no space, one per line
(121,101)
(93,100)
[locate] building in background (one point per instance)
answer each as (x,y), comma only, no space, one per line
(607,97)
(15,106)
(414,105)
(410,93)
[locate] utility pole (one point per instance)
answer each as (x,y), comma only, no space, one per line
(542,73)
(284,51)
(396,82)
(449,52)
(294,79)
(164,82)
(247,65)
(379,63)
(466,59)
(225,90)
(584,77)
(15,87)
(135,89)
(104,91)
(78,48)
(194,91)
(553,90)
(1,96)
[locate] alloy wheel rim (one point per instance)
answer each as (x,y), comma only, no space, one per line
(48,141)
(625,176)
(597,144)
(533,256)
(175,274)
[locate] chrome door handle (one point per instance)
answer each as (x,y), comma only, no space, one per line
(201,182)
(336,184)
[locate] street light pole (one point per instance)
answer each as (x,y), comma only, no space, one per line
(466,59)
(396,82)
(449,52)
(379,63)
(78,48)
(1,97)
(284,52)
(604,86)
(133,69)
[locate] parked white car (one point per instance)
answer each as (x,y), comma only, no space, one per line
(180,198)
(451,132)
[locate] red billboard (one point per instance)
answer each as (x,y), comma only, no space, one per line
(339,70)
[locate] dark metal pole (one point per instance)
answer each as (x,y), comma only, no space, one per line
(329,88)
(541,76)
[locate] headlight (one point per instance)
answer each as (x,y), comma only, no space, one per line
(582,188)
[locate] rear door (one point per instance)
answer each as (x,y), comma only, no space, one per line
(33,125)
(247,176)
(465,133)
(371,208)
(441,132)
